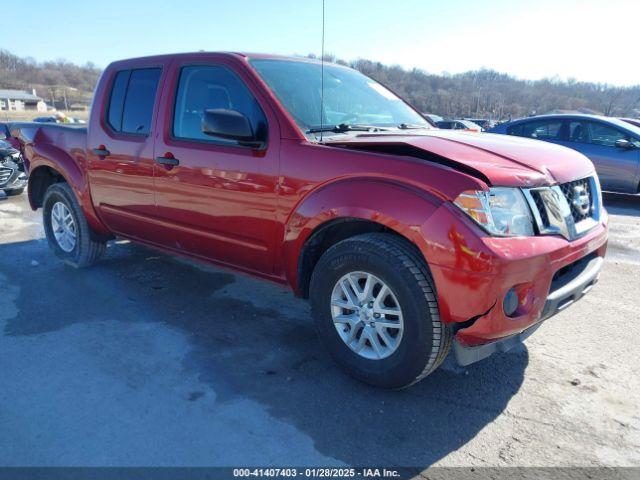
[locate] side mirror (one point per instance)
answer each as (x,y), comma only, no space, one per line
(625,144)
(229,124)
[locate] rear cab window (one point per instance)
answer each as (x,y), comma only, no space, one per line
(131,101)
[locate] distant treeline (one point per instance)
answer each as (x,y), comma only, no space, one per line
(55,81)
(482,93)
(487,93)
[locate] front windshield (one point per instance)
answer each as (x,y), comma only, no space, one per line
(350,98)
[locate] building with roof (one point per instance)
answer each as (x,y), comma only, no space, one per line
(18,101)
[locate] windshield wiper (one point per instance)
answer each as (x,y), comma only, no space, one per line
(345,127)
(409,126)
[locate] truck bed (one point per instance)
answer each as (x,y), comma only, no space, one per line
(33,136)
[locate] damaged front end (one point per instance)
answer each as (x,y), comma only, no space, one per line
(568,285)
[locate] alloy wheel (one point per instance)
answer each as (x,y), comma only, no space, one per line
(367,315)
(63,226)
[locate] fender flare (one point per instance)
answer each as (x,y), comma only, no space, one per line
(394,205)
(71,169)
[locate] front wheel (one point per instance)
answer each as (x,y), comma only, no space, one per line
(375,309)
(66,227)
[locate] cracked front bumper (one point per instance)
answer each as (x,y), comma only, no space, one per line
(565,290)
(474,273)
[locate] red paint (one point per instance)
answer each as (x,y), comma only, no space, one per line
(254,210)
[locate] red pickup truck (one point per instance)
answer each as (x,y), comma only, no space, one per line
(407,239)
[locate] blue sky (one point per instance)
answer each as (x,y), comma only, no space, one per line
(584,39)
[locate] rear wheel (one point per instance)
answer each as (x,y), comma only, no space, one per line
(374,305)
(66,227)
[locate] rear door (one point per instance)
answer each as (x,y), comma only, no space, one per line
(219,199)
(546,129)
(616,167)
(120,157)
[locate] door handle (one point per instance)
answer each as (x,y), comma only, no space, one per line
(170,161)
(101,151)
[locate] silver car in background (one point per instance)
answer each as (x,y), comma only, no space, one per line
(611,144)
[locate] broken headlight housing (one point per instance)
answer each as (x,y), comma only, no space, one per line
(501,211)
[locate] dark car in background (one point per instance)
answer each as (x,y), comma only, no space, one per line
(613,145)
(432,117)
(459,125)
(13,178)
(48,119)
(484,123)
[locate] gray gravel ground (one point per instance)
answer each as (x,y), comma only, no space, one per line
(148,360)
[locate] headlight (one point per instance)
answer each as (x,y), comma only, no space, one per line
(500,211)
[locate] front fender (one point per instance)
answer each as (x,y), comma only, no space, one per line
(401,208)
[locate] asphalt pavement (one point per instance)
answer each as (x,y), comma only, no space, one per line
(146,360)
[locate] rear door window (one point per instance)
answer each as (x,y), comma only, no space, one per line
(138,103)
(132,99)
(118,91)
(515,130)
(542,129)
(578,132)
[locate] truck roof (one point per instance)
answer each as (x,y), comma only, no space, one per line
(235,55)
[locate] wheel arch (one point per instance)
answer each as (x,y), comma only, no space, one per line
(40,178)
(49,165)
(337,212)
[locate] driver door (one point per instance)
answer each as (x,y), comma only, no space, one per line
(216,198)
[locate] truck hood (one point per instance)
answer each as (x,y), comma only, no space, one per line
(498,160)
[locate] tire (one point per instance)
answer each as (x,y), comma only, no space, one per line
(85,250)
(14,193)
(421,344)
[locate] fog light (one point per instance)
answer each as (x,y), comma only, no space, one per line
(510,303)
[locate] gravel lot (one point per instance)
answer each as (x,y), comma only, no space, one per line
(148,360)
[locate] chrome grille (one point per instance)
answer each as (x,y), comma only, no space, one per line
(539,203)
(570,209)
(569,190)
